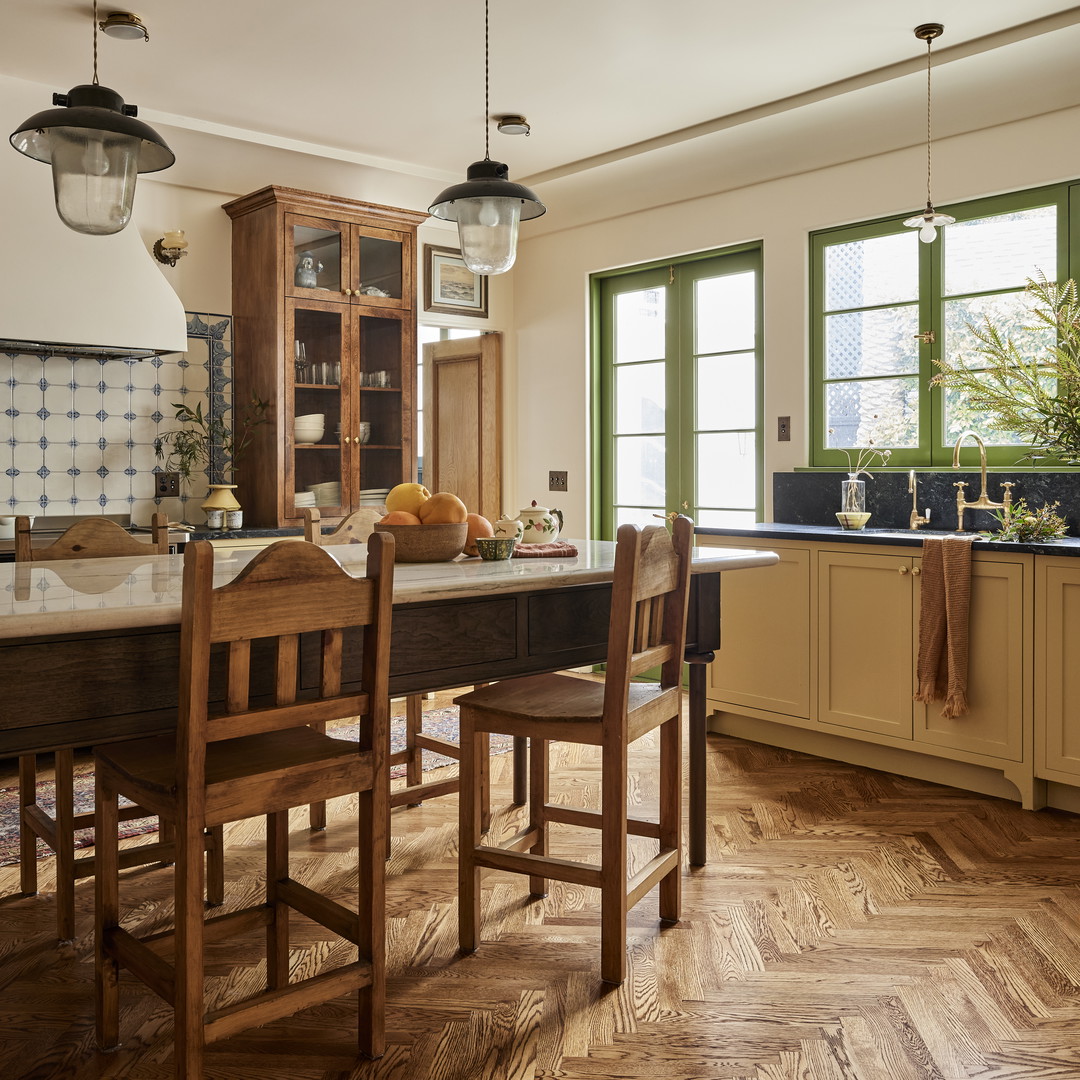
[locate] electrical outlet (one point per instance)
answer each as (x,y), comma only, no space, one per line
(167,485)
(557,480)
(783,429)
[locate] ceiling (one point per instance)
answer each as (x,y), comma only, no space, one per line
(631,102)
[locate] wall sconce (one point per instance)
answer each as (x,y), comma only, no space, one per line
(171,247)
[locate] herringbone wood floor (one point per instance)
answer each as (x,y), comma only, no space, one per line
(850,924)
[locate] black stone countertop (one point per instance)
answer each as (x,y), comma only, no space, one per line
(774,530)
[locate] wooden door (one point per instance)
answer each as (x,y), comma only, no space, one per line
(463,422)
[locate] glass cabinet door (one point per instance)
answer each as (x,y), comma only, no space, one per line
(317,449)
(316,258)
(379,274)
(384,388)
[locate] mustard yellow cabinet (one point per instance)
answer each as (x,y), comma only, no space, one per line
(865,620)
(1057,683)
(766,654)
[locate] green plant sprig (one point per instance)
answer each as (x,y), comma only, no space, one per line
(193,445)
(1023,525)
(1037,398)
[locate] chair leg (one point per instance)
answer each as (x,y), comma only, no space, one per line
(671,815)
(317,810)
(189,1035)
(414,725)
(27,837)
(372,851)
(521,768)
(613,865)
(215,866)
(538,797)
(469,833)
(65,843)
(277,930)
(106,915)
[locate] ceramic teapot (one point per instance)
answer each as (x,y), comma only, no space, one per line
(539,524)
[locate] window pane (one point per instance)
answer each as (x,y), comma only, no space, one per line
(866,273)
(1001,251)
(1009,312)
(882,411)
(724,313)
(872,343)
(726,473)
(639,325)
(725,519)
(633,515)
(639,399)
(639,470)
(961,417)
(726,396)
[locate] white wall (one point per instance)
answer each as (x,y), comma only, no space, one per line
(552,274)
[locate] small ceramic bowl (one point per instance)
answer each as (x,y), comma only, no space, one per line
(493,548)
(850,520)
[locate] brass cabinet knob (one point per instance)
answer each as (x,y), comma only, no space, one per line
(903,570)
(348,439)
(348,292)
(915,571)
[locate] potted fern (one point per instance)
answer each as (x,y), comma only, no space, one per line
(205,440)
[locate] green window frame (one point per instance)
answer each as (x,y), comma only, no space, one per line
(684,358)
(914,422)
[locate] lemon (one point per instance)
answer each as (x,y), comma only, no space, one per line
(407,497)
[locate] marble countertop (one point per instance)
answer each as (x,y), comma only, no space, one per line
(775,530)
(107,594)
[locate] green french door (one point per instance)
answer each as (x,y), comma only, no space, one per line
(678,383)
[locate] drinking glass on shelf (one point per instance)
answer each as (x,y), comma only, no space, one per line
(335,373)
(300,362)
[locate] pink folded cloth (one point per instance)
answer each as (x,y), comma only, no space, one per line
(544,551)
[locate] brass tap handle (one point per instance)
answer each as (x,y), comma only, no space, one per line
(1007,498)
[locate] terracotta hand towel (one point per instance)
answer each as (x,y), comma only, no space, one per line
(943,622)
(544,551)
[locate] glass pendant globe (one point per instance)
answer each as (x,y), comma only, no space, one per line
(94,175)
(488,232)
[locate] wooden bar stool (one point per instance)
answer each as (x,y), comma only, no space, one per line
(91,538)
(647,628)
(256,756)
(355,529)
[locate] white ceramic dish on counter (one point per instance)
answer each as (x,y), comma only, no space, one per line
(7,527)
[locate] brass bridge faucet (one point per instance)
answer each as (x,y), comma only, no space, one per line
(982,502)
(915,519)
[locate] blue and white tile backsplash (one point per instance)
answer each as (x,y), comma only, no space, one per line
(80,432)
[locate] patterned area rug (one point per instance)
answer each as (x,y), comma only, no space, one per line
(440,722)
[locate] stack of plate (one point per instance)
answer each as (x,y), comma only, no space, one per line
(328,494)
(373,496)
(304,498)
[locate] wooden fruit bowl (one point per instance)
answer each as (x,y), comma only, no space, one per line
(426,543)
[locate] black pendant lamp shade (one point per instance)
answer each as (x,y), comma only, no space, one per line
(96,148)
(487,208)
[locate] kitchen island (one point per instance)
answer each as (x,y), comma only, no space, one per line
(88,649)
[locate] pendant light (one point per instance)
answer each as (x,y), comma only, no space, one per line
(928,221)
(96,148)
(488,206)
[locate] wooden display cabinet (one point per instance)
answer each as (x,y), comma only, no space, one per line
(324,313)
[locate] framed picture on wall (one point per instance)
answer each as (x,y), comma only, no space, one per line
(450,287)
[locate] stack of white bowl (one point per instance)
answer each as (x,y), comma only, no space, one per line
(309,428)
(328,494)
(303,498)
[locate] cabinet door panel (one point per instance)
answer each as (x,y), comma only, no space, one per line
(765,649)
(864,642)
(316,258)
(998,693)
(1057,695)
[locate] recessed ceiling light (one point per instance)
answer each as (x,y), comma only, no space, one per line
(513,125)
(124,25)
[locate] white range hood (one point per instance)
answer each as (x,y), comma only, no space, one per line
(71,294)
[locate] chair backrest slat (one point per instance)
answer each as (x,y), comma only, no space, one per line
(355,529)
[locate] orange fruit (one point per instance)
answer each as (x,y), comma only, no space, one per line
(407,497)
(399,517)
(477,526)
(442,508)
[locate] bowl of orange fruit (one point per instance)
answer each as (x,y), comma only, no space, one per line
(426,527)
